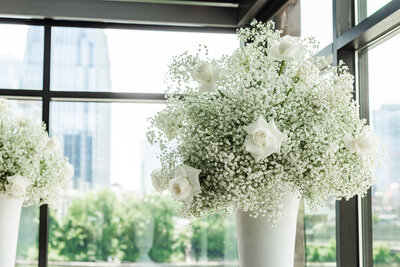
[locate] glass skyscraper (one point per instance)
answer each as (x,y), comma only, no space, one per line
(83,129)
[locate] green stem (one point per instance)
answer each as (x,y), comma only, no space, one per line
(281,68)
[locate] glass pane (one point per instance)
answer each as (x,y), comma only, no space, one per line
(112,214)
(368,7)
(123,60)
(27,249)
(21,57)
(375,5)
(320,235)
(385,119)
(316,20)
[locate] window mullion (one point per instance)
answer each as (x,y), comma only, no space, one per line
(44,210)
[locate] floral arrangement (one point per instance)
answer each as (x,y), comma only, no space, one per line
(239,131)
(31,165)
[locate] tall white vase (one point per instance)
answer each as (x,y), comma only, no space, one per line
(10,213)
(260,244)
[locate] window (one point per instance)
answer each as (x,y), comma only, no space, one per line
(17,70)
(385,119)
(316,20)
(111,213)
(27,249)
(320,237)
(369,7)
(123,60)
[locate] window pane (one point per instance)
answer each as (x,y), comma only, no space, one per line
(27,248)
(123,60)
(320,233)
(369,7)
(316,20)
(385,119)
(111,213)
(21,57)
(375,5)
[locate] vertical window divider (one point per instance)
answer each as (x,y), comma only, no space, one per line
(348,252)
(365,213)
(44,210)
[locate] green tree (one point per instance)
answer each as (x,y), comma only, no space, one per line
(90,229)
(218,234)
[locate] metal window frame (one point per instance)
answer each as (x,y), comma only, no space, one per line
(350,43)
(354,223)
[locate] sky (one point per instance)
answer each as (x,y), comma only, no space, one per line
(140,66)
(143,69)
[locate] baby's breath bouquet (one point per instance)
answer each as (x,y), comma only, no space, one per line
(237,131)
(31,165)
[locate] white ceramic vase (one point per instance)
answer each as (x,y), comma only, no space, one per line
(10,213)
(260,244)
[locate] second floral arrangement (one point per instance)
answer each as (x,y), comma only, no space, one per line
(238,131)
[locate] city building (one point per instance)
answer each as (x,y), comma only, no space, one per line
(83,129)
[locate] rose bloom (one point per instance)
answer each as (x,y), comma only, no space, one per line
(17,185)
(263,138)
(288,49)
(364,145)
(207,74)
(185,184)
(202,72)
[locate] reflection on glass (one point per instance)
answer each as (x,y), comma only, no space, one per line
(21,57)
(385,119)
(320,235)
(316,20)
(112,214)
(27,249)
(123,60)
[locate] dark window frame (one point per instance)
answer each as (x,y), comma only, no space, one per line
(353,220)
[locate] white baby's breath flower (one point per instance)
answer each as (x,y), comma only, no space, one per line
(207,87)
(364,145)
(25,148)
(17,185)
(208,129)
(52,145)
(288,48)
(185,184)
(307,73)
(4,107)
(158,180)
(263,138)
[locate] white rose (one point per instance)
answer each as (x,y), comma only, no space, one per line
(288,48)
(68,171)
(202,72)
(185,184)
(52,145)
(207,74)
(364,145)
(158,180)
(17,185)
(263,138)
